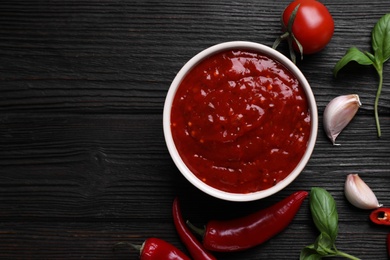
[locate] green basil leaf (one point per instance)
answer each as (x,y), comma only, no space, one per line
(324,212)
(353,54)
(370,56)
(324,244)
(309,253)
(381,39)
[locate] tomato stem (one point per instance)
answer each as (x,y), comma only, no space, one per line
(278,40)
(289,36)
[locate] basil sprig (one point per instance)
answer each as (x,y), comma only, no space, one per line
(381,47)
(324,213)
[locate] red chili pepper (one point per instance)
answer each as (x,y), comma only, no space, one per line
(381,216)
(195,248)
(246,232)
(157,249)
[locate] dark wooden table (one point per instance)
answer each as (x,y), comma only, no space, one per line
(83,162)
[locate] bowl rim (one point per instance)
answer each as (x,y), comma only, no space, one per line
(186,172)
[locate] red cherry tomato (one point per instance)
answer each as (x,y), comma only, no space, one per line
(313,26)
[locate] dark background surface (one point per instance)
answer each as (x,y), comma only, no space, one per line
(83,163)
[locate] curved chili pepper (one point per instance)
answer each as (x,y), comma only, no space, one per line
(157,249)
(246,232)
(193,245)
(381,216)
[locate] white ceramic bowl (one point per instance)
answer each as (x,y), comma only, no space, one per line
(256,47)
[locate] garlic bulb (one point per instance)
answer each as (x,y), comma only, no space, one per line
(359,194)
(338,113)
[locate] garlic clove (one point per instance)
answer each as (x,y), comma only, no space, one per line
(338,113)
(359,194)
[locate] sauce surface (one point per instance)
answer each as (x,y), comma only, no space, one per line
(240,121)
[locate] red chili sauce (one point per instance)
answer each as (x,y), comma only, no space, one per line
(240,121)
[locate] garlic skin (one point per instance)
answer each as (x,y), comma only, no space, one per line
(338,113)
(359,194)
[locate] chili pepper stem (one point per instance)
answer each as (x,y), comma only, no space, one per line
(189,239)
(196,230)
(122,244)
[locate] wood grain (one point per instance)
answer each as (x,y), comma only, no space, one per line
(83,162)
